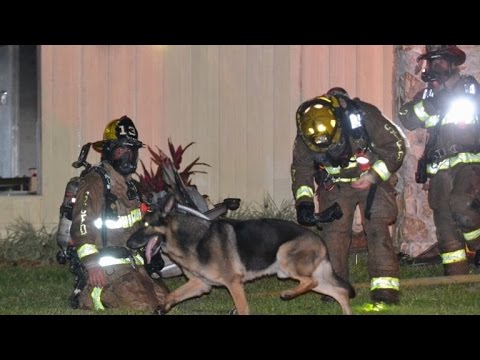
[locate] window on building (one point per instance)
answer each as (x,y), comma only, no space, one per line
(19,116)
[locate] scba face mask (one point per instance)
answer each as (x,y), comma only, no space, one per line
(440,69)
(124,158)
(339,154)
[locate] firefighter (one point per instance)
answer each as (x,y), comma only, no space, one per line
(108,210)
(448,109)
(351,151)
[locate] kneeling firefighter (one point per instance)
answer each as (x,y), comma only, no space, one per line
(107,211)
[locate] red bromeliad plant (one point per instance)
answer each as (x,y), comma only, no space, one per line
(152,182)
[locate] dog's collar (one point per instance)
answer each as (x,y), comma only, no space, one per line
(193,212)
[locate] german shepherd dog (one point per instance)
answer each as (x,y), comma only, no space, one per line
(226,252)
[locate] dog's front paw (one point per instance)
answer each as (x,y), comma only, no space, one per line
(287,295)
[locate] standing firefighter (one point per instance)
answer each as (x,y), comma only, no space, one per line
(351,150)
(448,108)
(106,213)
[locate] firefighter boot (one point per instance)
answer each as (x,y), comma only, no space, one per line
(456,268)
(387,296)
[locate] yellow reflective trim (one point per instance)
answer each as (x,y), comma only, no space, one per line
(336,170)
(429,120)
(346,180)
(304,190)
(466,158)
(454,256)
(86,249)
(332,170)
(447,120)
(334,101)
(373,307)
(122,222)
(419,110)
(138,259)
(472,235)
(432,121)
(385,283)
(109,260)
(95,295)
(381,169)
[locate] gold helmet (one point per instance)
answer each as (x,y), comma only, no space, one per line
(121,129)
(318,123)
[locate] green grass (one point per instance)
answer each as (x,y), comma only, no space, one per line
(31,283)
(44,290)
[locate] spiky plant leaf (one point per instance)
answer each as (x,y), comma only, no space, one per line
(152,181)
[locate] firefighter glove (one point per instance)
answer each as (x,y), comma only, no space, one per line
(305,213)
(154,268)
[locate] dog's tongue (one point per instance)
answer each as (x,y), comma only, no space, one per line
(149,248)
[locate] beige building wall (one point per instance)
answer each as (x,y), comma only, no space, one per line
(236,102)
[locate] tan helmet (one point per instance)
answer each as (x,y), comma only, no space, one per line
(449,52)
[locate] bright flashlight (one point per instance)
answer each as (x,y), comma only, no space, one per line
(461,111)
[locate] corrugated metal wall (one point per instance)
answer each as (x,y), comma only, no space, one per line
(237,103)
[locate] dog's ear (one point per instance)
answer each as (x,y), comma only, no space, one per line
(170,204)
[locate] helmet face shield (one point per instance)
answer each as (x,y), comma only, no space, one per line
(318,125)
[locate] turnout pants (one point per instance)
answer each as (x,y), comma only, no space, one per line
(454,197)
(383,264)
(127,288)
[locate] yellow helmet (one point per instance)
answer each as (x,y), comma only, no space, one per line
(318,123)
(121,129)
